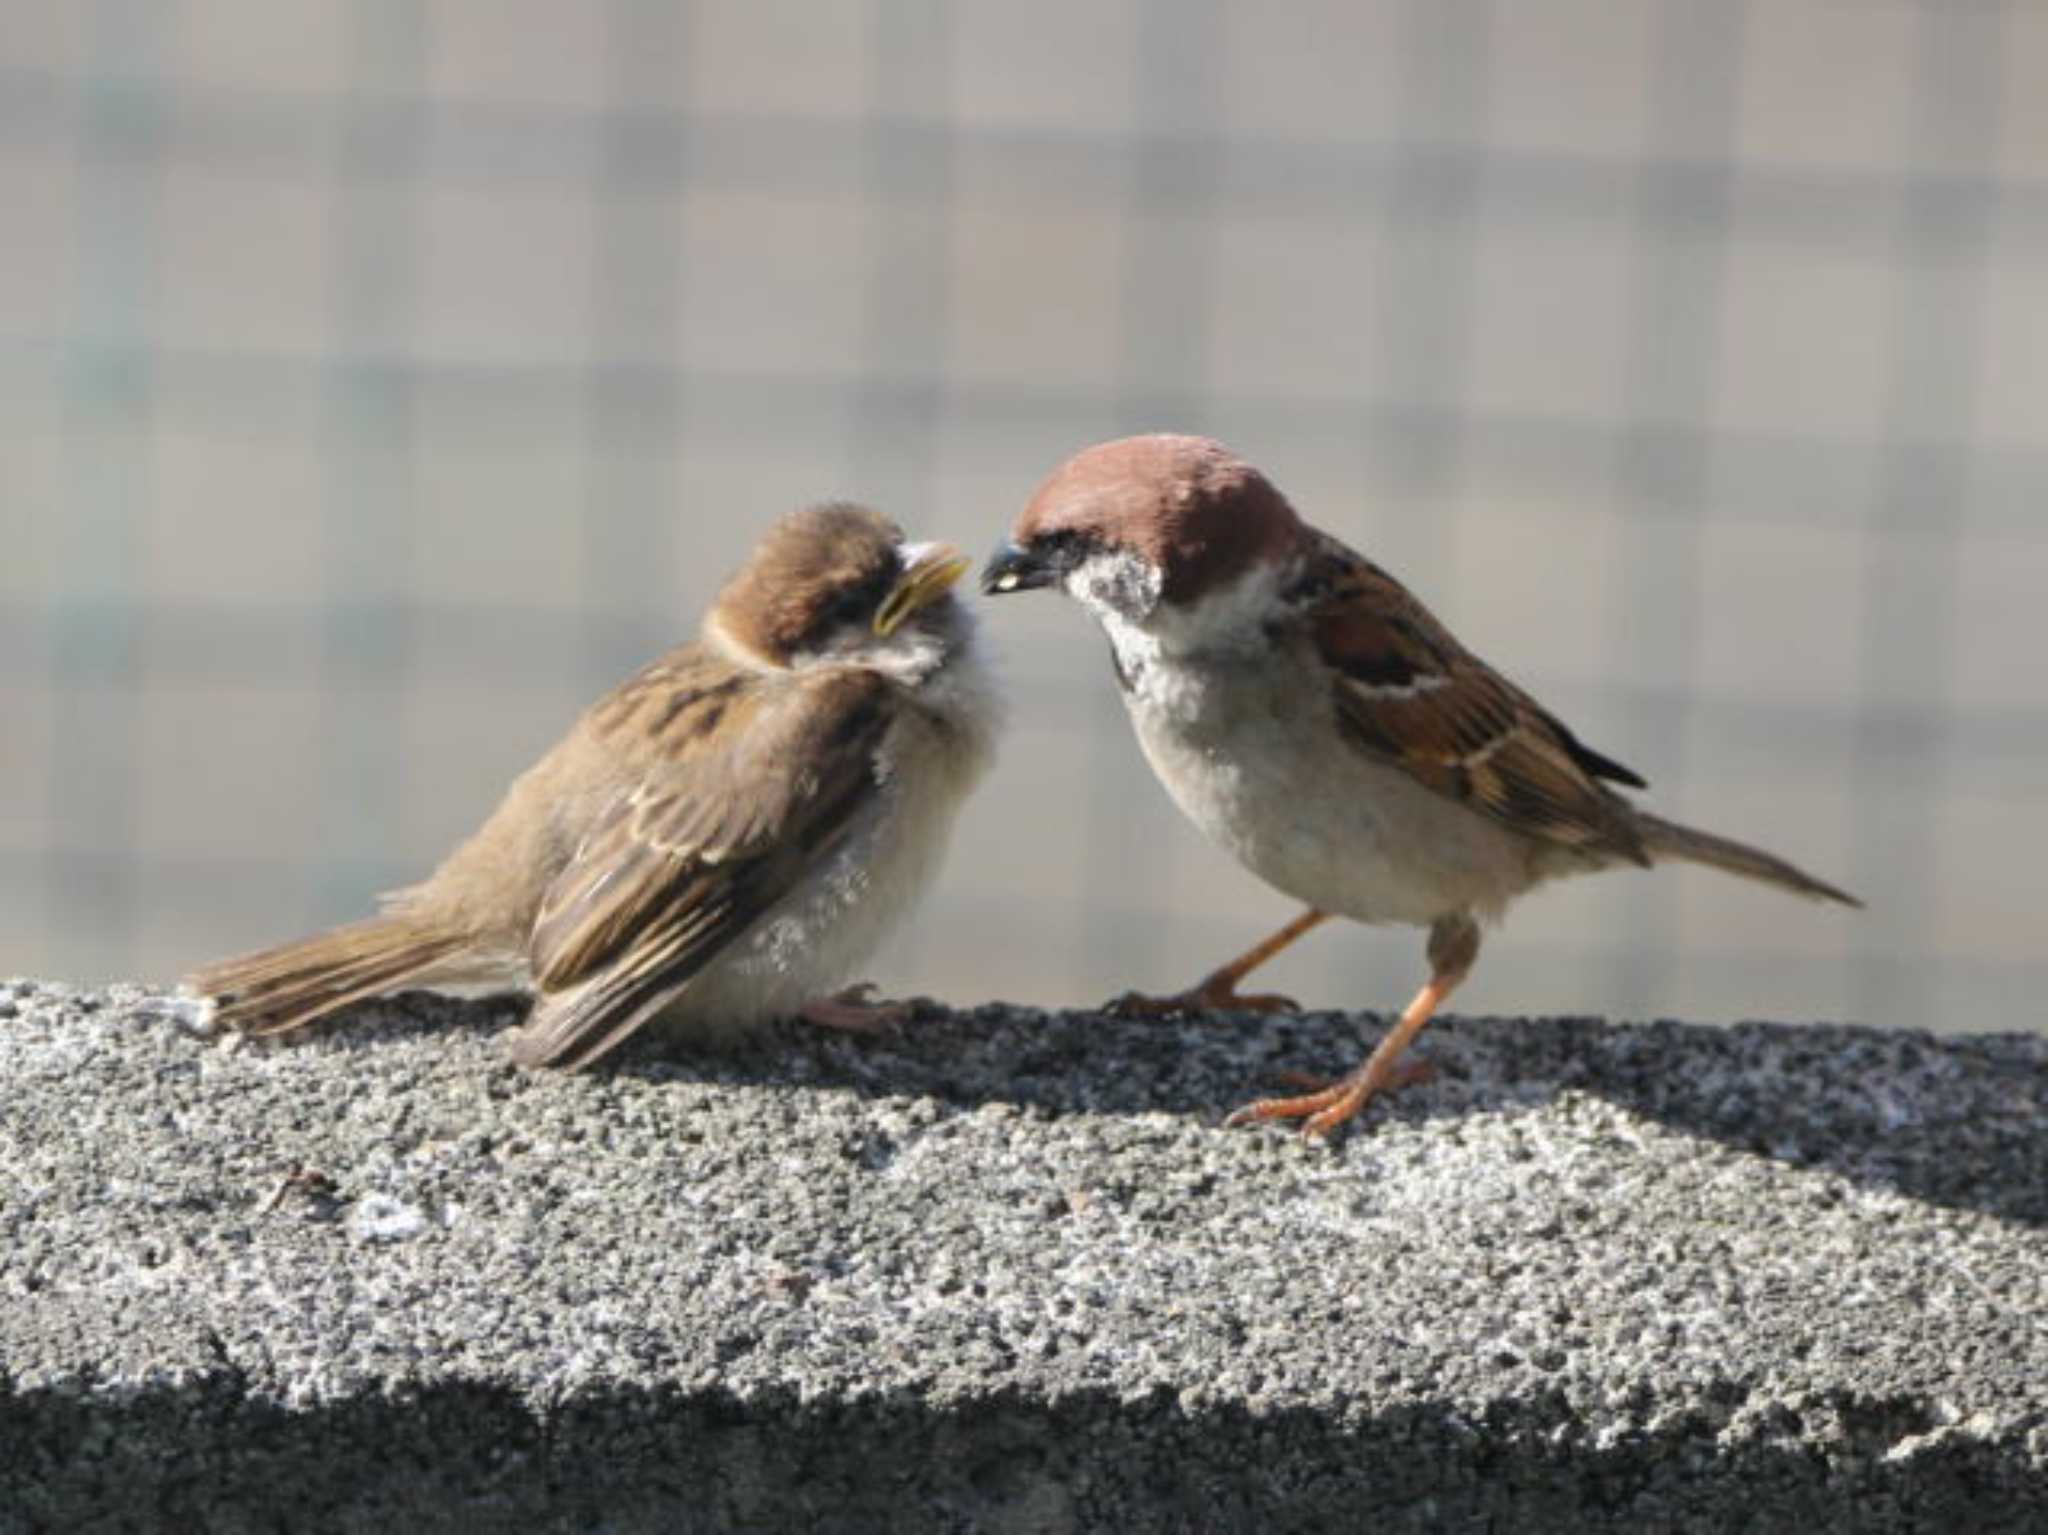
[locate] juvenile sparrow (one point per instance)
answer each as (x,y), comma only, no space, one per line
(1316,720)
(722,839)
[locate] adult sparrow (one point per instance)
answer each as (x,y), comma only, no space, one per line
(722,839)
(1314,718)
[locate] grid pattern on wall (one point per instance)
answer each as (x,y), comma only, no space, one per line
(379,380)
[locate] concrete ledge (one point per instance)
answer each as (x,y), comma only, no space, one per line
(1003,1272)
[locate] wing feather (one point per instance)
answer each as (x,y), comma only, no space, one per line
(1410,694)
(716,829)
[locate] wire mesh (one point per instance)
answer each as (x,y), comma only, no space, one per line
(378,381)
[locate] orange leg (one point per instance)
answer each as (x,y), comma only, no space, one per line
(1217,992)
(1453,946)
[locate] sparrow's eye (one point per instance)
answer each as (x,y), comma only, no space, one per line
(858,601)
(1065,548)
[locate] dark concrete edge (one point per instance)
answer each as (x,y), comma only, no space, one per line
(472,1455)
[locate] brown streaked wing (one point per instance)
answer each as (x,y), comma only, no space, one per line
(1410,694)
(685,861)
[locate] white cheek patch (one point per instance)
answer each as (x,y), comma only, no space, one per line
(1115,582)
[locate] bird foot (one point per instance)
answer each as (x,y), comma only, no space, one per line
(1329,1103)
(1214,995)
(850,1011)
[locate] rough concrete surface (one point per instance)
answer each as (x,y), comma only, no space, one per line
(1003,1271)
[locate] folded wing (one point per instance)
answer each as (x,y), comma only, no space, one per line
(687,859)
(1408,693)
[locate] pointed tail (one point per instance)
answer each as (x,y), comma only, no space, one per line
(287,987)
(1664,839)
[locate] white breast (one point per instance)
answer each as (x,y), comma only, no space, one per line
(818,938)
(1246,741)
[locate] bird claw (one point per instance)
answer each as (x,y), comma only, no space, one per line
(1209,997)
(850,1011)
(1329,1104)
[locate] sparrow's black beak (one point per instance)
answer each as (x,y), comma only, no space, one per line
(1013,568)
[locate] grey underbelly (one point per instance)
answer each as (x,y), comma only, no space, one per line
(1333,828)
(818,938)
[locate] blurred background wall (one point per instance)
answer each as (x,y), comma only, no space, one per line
(380,380)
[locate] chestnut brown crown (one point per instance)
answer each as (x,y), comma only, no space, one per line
(1187,505)
(813,573)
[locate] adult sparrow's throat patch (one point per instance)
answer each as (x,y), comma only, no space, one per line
(929,571)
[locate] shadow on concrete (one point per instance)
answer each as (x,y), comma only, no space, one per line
(460,1457)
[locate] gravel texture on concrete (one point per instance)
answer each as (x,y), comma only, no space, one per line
(1002,1270)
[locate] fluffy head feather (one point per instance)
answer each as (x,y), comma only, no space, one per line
(815,571)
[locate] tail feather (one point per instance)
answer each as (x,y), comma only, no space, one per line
(1664,839)
(287,987)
